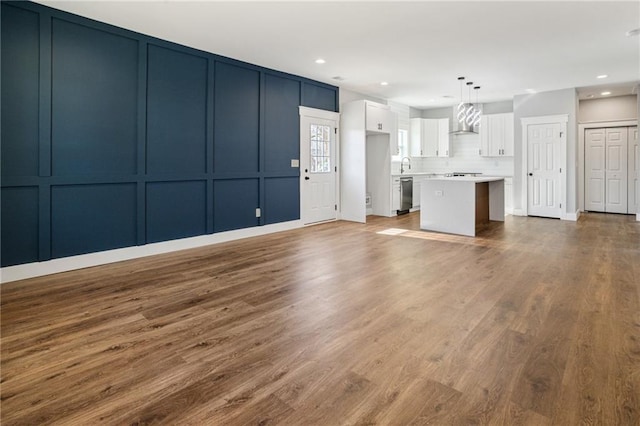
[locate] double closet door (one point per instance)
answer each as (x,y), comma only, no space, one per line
(611,170)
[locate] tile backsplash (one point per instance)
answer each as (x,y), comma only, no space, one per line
(464,158)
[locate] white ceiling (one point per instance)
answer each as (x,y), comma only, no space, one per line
(418,47)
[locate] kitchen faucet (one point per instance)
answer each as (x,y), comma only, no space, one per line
(402,164)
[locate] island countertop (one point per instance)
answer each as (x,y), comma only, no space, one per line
(474,179)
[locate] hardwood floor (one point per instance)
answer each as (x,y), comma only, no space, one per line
(534,322)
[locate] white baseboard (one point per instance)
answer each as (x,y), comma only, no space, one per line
(572,216)
(37,269)
(518,212)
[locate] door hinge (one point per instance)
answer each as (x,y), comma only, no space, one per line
(560,169)
(335,169)
(561,134)
(560,205)
(335,130)
(335,207)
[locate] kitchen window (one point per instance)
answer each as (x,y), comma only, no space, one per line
(403,145)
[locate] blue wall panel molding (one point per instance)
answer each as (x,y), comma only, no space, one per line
(176,112)
(234,204)
(282,199)
(176,210)
(319,96)
(88,218)
(19,211)
(94,101)
(236,119)
(20,95)
(111,138)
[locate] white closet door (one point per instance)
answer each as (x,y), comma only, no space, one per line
(595,170)
(633,162)
(616,170)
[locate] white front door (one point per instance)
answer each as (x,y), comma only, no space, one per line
(544,172)
(633,171)
(318,169)
(595,170)
(616,170)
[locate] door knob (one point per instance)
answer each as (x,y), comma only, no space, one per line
(530,174)
(306,178)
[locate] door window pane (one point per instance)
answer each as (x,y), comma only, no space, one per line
(320,149)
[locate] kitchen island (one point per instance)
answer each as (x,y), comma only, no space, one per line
(461,204)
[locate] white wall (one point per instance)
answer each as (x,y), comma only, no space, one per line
(540,104)
(349,96)
(608,109)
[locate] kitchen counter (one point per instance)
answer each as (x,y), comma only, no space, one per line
(422,174)
(461,204)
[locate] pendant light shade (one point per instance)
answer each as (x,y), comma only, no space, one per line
(468,114)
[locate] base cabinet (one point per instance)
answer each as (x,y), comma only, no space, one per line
(395,195)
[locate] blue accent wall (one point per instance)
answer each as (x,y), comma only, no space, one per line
(113,139)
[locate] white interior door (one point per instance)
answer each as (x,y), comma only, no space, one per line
(544,172)
(616,170)
(317,169)
(594,170)
(633,161)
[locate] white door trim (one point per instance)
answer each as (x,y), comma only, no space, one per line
(562,119)
(582,127)
(323,115)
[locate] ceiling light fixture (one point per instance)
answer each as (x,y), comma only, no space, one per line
(531,91)
(320,61)
(632,33)
(605,93)
(467,112)
(384,83)
(602,76)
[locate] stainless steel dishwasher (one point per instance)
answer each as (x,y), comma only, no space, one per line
(406,194)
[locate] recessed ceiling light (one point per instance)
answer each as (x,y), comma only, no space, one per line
(530,91)
(605,93)
(447,96)
(634,32)
(432,100)
(320,61)
(384,83)
(602,76)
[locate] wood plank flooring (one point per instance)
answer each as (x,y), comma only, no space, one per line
(534,322)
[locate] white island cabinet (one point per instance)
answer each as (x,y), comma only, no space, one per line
(461,205)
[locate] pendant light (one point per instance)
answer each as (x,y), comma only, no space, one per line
(461,106)
(468,113)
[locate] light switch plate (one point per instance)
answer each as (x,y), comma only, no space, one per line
(439,193)
(295,162)
(258,212)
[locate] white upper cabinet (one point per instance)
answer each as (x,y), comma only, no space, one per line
(496,135)
(429,137)
(379,118)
